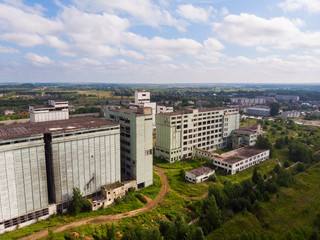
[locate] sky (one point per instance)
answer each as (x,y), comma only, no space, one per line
(160,41)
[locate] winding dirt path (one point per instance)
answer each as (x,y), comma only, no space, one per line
(110,218)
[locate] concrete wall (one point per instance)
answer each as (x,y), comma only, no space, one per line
(86,161)
(23,183)
(44,116)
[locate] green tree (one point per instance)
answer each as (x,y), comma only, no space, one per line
(274,108)
(78,203)
(264,143)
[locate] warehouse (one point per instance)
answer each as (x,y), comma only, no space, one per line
(40,163)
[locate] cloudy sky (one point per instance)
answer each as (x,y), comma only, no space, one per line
(160,41)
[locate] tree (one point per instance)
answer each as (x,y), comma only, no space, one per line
(274,108)
(264,143)
(255,176)
(299,152)
(78,203)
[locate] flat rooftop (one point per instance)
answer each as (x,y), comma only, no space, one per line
(200,110)
(138,111)
(248,129)
(239,154)
(201,171)
(31,129)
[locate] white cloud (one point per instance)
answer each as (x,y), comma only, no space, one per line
(36,60)
(195,14)
(224,11)
(144,11)
(262,49)
(312,6)
(250,30)
(4,49)
(162,46)
(213,44)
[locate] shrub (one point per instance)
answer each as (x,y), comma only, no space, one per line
(141,198)
(213,178)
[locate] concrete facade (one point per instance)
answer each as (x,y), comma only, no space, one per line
(136,143)
(180,133)
(86,159)
(23,181)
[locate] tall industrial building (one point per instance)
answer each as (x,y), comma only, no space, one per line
(83,153)
(57,110)
(40,163)
(141,100)
(180,133)
(136,143)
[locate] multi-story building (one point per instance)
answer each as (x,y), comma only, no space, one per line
(57,110)
(288,98)
(41,163)
(142,99)
(290,114)
(246,136)
(136,143)
(180,133)
(260,111)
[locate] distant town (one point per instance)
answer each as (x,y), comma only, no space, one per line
(199,155)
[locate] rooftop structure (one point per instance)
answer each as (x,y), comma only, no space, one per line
(179,133)
(57,110)
(142,100)
(32,129)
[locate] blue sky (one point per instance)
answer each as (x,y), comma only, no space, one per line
(160,41)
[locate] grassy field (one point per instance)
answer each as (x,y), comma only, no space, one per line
(296,206)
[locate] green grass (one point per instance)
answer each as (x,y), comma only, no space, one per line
(296,206)
(184,188)
(186,164)
(152,191)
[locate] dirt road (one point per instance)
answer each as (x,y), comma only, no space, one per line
(110,218)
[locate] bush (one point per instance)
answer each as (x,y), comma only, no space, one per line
(286,164)
(141,198)
(132,189)
(301,167)
(213,178)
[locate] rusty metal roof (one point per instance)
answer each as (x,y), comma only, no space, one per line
(31,129)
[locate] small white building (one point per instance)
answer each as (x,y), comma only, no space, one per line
(111,192)
(164,109)
(199,174)
(240,159)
